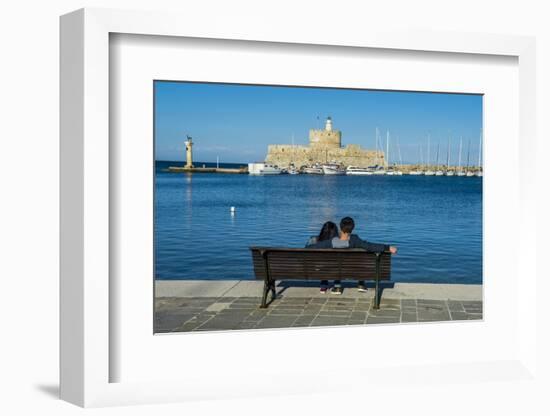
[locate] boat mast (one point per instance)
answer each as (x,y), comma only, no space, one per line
(468,158)
(460,155)
(449,154)
(376,146)
(437,157)
(399,151)
(479,160)
(293,150)
(428,158)
(387,148)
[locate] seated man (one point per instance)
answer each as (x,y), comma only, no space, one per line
(348,240)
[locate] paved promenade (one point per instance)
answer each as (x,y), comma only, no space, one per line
(183,306)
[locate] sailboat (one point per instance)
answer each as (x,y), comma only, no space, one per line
(460,172)
(428,171)
(379,170)
(418,171)
(293,170)
(438,172)
(468,172)
(389,171)
(449,172)
(479,173)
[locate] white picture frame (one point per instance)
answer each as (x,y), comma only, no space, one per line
(86,290)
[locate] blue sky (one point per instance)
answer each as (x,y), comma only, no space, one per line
(237,122)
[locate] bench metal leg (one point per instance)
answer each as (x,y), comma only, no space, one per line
(264,295)
(268,286)
(377,284)
(377,295)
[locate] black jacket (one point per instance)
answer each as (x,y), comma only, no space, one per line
(354,242)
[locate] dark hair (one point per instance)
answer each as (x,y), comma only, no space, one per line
(347,225)
(328,231)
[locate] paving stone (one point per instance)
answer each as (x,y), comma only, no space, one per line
(215,323)
(355,322)
(382,320)
(304,320)
(472,303)
(169,321)
(455,306)
(433,308)
(341,300)
(408,302)
(246,325)
(409,317)
(187,327)
(358,316)
(335,314)
(390,302)
(278,311)
(216,307)
(317,301)
(458,315)
(475,316)
(329,321)
(276,322)
(256,315)
(225,299)
(433,316)
(470,309)
(384,313)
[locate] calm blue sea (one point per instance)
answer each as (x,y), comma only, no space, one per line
(436,222)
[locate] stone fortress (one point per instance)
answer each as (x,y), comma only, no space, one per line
(325,146)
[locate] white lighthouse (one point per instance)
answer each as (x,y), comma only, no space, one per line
(328,124)
(189,152)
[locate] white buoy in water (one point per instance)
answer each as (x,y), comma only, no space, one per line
(232,209)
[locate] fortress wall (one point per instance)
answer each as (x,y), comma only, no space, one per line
(284,155)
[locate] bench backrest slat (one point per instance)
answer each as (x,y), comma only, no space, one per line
(319,264)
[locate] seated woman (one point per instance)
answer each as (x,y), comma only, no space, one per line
(329,230)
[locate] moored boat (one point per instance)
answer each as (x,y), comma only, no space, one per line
(314,170)
(270,170)
(354,170)
(333,169)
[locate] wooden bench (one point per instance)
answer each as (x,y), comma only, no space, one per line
(272,264)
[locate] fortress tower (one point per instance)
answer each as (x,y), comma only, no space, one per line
(325,145)
(327,138)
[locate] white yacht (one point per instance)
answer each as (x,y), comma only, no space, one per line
(460,173)
(479,173)
(293,171)
(415,172)
(314,170)
(469,174)
(270,170)
(439,173)
(450,173)
(429,173)
(333,169)
(354,170)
